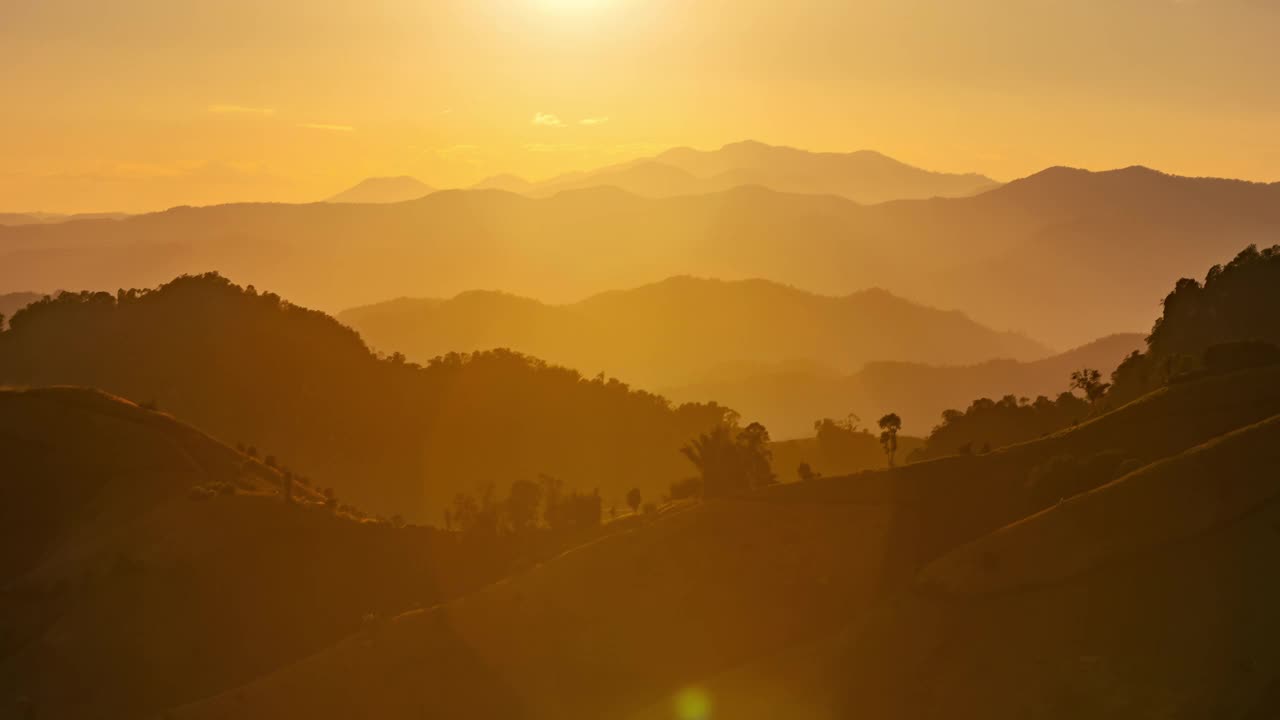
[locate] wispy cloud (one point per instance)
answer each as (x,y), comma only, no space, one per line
(594,120)
(324,126)
(554,147)
(240,110)
(457,150)
(547,120)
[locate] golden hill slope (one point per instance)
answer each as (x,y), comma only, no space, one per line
(749,599)
(122,592)
(1152,596)
(608,627)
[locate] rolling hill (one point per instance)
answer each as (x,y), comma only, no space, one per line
(1065,255)
(384,190)
(832,576)
(650,336)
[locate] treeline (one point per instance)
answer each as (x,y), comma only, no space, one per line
(987,424)
(1227,323)
(389,435)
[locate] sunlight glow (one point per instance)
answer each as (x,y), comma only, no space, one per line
(572,5)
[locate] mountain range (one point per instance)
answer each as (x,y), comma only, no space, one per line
(46,218)
(864,176)
(1065,255)
(685,329)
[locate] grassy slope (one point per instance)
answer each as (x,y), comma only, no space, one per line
(622,625)
(608,627)
(121,595)
(1152,596)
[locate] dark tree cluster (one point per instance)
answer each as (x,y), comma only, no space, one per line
(1226,323)
(528,507)
(731,461)
(988,424)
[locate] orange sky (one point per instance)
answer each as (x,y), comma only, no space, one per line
(141,104)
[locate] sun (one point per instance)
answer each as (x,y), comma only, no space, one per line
(572,5)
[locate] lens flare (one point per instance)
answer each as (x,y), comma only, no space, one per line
(693,704)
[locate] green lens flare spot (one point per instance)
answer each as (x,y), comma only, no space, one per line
(693,704)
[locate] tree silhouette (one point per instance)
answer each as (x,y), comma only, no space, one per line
(889,426)
(731,463)
(633,499)
(1089,381)
(522,505)
(806,472)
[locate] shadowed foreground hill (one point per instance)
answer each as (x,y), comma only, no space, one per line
(810,575)
(391,436)
(1152,595)
(1065,255)
(143,564)
(681,329)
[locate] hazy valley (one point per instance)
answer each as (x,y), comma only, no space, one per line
(639,360)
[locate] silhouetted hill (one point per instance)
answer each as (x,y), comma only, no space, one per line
(1064,270)
(822,576)
(683,328)
(145,565)
(392,436)
(788,399)
(383,190)
(863,176)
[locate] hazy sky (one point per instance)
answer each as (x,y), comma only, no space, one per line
(142,104)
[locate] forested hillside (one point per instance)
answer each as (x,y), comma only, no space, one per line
(389,435)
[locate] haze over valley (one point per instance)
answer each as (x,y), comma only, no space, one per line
(639,360)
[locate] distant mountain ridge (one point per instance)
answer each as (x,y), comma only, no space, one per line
(41,218)
(1066,255)
(384,190)
(682,328)
(863,176)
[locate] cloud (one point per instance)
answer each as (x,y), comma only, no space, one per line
(594,120)
(240,110)
(330,128)
(554,148)
(457,150)
(547,120)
